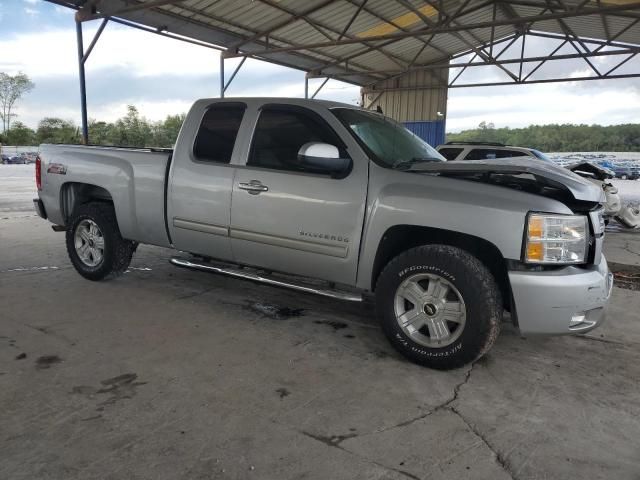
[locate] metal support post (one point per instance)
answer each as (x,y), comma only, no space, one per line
(221,75)
(83,86)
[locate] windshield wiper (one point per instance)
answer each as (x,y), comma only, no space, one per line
(407,164)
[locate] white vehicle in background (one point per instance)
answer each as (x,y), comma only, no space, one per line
(628,216)
(487,151)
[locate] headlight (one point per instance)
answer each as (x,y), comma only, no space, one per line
(556,238)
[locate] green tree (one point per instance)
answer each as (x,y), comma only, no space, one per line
(558,138)
(20,134)
(166,132)
(57,130)
(12,88)
(101,133)
(132,130)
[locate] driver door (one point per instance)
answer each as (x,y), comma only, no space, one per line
(288,219)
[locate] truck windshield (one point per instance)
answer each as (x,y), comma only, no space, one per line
(386,141)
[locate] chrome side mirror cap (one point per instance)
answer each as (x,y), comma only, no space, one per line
(324,158)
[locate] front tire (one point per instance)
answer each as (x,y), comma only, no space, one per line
(94,244)
(439,306)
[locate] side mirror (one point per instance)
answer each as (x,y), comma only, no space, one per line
(324,158)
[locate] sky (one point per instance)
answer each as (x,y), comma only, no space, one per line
(163,76)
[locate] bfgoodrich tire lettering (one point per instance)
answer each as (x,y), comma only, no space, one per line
(479,304)
(116,251)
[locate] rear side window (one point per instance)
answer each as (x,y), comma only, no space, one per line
(280,133)
(511,153)
(217,133)
(491,153)
(481,154)
(450,153)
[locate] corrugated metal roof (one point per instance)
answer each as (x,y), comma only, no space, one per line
(365,41)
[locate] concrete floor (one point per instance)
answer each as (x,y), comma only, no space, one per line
(167,373)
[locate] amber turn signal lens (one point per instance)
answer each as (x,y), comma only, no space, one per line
(536,227)
(535,251)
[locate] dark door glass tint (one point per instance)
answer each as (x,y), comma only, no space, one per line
(282,131)
(450,153)
(217,133)
(491,153)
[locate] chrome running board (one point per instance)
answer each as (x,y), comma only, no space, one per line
(247,274)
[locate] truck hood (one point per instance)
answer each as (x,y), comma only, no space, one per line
(525,174)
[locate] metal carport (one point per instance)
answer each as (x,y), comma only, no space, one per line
(400,52)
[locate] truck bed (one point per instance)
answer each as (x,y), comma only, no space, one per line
(134,177)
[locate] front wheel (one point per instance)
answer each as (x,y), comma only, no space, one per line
(94,244)
(439,306)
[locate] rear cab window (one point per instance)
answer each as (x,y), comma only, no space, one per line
(218,131)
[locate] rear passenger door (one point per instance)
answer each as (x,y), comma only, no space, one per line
(296,220)
(201,180)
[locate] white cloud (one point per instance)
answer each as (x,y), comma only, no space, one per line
(53,52)
(125,58)
(31,11)
(519,106)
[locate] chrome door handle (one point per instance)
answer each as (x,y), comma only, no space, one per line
(254,187)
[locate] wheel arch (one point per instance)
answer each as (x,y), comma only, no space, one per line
(73,194)
(399,238)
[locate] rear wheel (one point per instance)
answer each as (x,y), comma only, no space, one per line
(94,244)
(439,306)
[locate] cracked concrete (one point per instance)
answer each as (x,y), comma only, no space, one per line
(210,402)
(623,248)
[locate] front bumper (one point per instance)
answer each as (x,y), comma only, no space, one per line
(568,300)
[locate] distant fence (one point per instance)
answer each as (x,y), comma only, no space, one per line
(17,149)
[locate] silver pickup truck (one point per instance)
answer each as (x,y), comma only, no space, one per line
(332,199)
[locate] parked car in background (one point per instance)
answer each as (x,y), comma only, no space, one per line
(626,172)
(4,158)
(486,151)
(16,159)
(29,157)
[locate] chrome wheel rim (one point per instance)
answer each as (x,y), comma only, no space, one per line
(89,243)
(430,310)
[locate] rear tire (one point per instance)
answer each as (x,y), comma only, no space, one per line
(94,244)
(439,306)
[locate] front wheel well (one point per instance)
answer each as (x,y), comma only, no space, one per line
(400,238)
(74,194)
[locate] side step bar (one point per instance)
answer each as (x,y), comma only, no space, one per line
(256,277)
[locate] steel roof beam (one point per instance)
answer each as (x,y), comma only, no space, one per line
(600,43)
(571,35)
(426,43)
(284,23)
(618,35)
(235,53)
(510,61)
(500,84)
(281,8)
(85,14)
(486,57)
(448,29)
